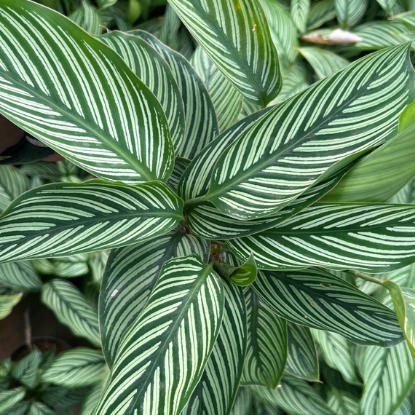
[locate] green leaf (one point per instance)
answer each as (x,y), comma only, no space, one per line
(68,218)
(61,399)
(324,62)
(367,237)
(261,181)
(92,400)
(302,360)
(262,408)
(39,408)
(237,39)
(299,12)
(87,17)
(243,402)
(336,353)
(218,386)
(266,352)
(241,275)
(20,275)
(72,309)
(349,12)
(201,121)
(388,374)
(408,18)
(407,118)
(129,278)
(76,368)
(180,166)
(18,409)
(405,277)
(77,96)
(342,403)
(156,74)
(387,5)
(177,328)
(12,184)
(320,13)
(26,370)
(9,297)
(293,396)
(317,299)
(11,397)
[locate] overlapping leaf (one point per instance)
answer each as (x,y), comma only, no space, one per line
(320,13)
(299,12)
(324,62)
(12,184)
(9,297)
(11,397)
(349,12)
(342,403)
(26,370)
(180,166)
(20,275)
(39,408)
(243,402)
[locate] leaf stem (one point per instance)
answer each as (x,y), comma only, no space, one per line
(365,277)
(192,202)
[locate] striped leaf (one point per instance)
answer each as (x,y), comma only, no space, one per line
(130,276)
(75,368)
(236,37)
(320,13)
(387,5)
(218,386)
(72,309)
(201,121)
(408,18)
(317,299)
(92,400)
(12,184)
(342,403)
(367,237)
(252,184)
(9,297)
(299,12)
(39,408)
(18,409)
(163,353)
(243,402)
(77,96)
(156,74)
(388,374)
(262,408)
(266,352)
(20,275)
(68,218)
(87,17)
(61,399)
(240,274)
(11,397)
(26,370)
(225,97)
(180,166)
(404,277)
(324,62)
(337,354)
(294,396)
(350,12)
(302,360)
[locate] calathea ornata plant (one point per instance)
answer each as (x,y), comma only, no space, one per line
(234,243)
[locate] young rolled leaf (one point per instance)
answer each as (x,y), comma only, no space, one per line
(81,100)
(266,352)
(76,368)
(324,62)
(302,359)
(372,238)
(68,218)
(317,299)
(325,119)
(177,328)
(349,12)
(129,278)
(11,397)
(72,309)
(236,37)
(242,275)
(26,370)
(12,184)
(20,275)
(299,12)
(388,375)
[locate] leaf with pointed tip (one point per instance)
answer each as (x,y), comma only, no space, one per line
(320,13)
(39,408)
(11,397)
(129,278)
(266,352)
(87,17)
(342,403)
(349,12)
(387,5)
(12,184)
(317,299)
(299,12)
(68,218)
(302,360)
(324,62)
(177,328)
(20,275)
(78,96)
(26,370)
(236,37)
(180,167)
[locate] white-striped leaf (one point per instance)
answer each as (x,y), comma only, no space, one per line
(299,12)
(387,5)
(332,118)
(349,12)
(39,408)
(243,402)
(75,368)
(302,360)
(78,96)
(68,218)
(388,375)
(20,275)
(72,309)
(324,62)
(320,13)
(26,370)
(11,397)
(408,17)
(237,38)
(92,400)
(87,17)
(336,353)
(129,278)
(225,97)
(342,403)
(12,184)
(18,409)
(162,355)
(266,352)
(317,299)
(294,396)
(9,297)
(156,74)
(180,166)
(218,386)
(201,121)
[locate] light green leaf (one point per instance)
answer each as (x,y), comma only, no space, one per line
(336,353)
(76,368)
(39,408)
(266,352)
(156,74)
(243,402)
(407,118)
(18,409)
(241,275)
(320,13)
(408,17)
(349,12)
(218,386)
(11,397)
(302,360)
(324,62)
(317,299)
(72,309)
(47,171)
(129,278)
(180,166)
(20,275)
(68,218)
(387,5)
(12,184)
(104,4)
(268,177)
(26,370)
(81,100)
(9,297)
(405,277)
(294,396)
(246,56)
(177,328)
(92,400)
(388,374)
(87,17)
(299,12)
(342,403)
(371,238)
(201,121)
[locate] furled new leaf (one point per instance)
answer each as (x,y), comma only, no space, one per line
(241,275)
